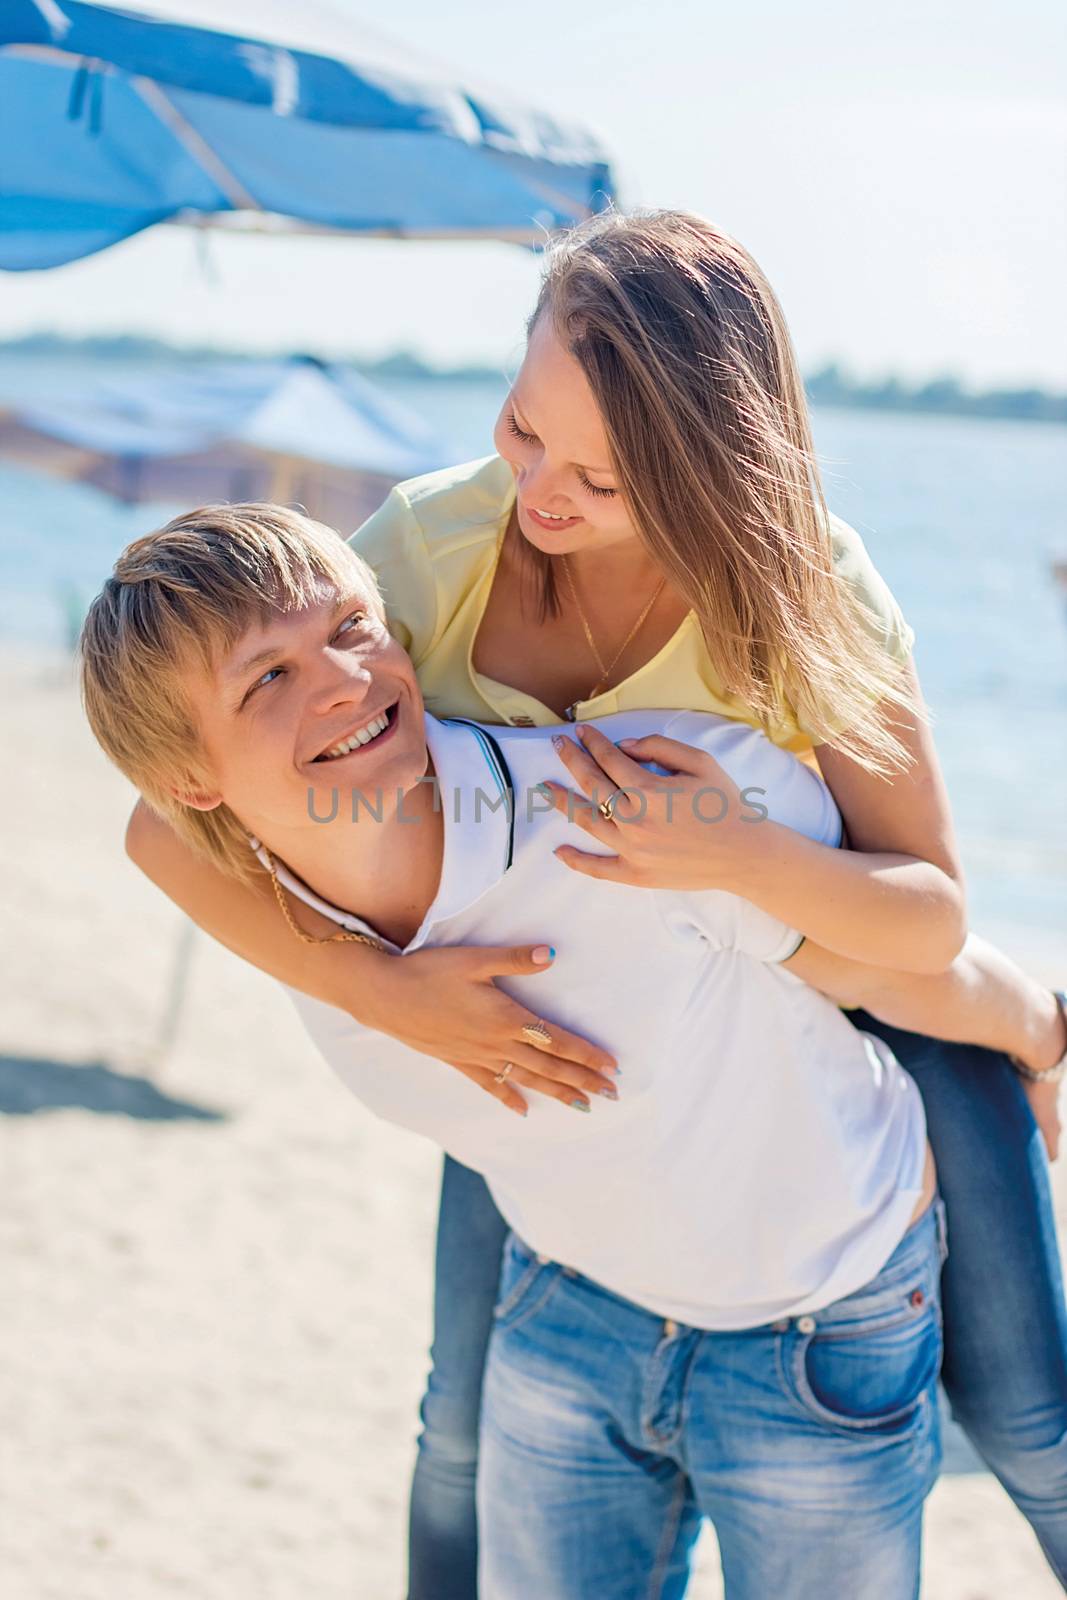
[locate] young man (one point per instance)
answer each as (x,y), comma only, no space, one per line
(720,1294)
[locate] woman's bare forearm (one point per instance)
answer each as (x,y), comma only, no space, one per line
(983,998)
(896,896)
(441,1002)
(888,909)
(247,920)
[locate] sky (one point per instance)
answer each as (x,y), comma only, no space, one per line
(900,172)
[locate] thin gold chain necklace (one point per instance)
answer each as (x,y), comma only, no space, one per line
(342,936)
(605,671)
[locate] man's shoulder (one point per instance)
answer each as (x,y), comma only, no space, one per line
(790,791)
(632,724)
(701,728)
(706,729)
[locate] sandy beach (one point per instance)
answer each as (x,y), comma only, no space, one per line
(217,1266)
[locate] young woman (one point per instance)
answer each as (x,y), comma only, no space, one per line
(652,533)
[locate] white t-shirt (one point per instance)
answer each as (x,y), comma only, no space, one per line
(764,1157)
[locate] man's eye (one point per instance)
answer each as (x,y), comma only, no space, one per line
(356,617)
(266,678)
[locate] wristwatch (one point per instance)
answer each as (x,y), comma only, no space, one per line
(1058,1069)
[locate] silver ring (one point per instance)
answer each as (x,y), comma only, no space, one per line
(499,1077)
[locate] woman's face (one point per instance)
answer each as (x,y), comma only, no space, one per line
(551,435)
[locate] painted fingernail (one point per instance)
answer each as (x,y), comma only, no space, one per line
(609,1092)
(580,1105)
(543,954)
(558,741)
(522,1110)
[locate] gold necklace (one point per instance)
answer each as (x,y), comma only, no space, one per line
(605,671)
(342,936)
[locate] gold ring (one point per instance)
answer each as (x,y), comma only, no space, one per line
(536,1032)
(607,807)
(498,1077)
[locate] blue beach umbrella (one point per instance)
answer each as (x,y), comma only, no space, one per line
(265,114)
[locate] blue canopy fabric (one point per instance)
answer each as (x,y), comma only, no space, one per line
(113,120)
(294,431)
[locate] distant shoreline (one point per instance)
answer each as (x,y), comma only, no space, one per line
(831,385)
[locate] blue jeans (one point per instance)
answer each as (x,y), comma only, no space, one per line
(443,1530)
(1005,1367)
(608,1433)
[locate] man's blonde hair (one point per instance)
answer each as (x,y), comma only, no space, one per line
(179,599)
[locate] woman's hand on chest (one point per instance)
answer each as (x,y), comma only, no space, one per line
(691,829)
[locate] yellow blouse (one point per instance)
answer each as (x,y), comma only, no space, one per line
(434,546)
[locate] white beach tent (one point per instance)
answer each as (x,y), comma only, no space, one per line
(298,431)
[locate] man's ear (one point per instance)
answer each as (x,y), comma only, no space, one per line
(198,799)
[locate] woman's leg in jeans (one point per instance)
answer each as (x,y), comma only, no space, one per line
(1005,1368)
(443,1534)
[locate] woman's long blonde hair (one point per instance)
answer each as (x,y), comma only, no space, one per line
(686,351)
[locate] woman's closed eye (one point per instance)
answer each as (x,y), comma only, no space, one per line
(513,427)
(531,438)
(594,488)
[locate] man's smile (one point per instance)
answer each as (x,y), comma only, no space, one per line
(371,730)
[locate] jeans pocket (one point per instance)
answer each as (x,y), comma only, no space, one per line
(868,1363)
(526,1282)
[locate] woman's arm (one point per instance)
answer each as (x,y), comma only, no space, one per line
(441,1002)
(983,998)
(894,898)
(901,867)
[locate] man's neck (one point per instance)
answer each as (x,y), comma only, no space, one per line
(386,870)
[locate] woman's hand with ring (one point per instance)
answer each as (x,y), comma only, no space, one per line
(445,1003)
(689,830)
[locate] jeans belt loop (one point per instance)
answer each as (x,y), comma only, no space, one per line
(942,1229)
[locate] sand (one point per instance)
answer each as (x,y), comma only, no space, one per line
(217,1265)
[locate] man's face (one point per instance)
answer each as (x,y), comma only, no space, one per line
(282,716)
